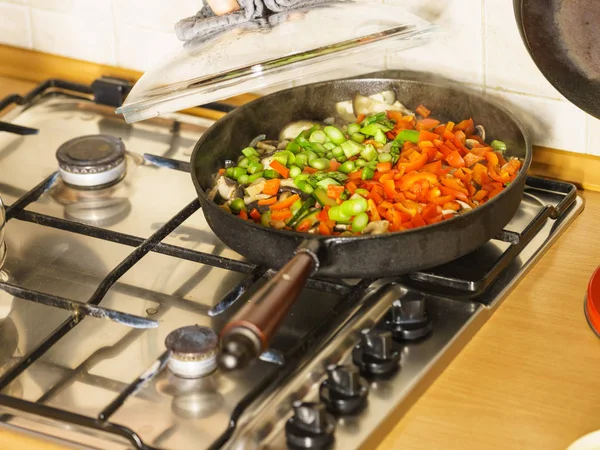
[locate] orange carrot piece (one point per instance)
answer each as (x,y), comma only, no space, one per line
(334,191)
(279,168)
(423,111)
(271,186)
(281,214)
(285,203)
(255,214)
(268,201)
(244,214)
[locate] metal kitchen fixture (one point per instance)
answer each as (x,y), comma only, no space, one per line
(367,347)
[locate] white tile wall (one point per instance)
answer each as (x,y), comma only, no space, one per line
(478,43)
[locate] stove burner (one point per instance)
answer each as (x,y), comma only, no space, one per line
(194,351)
(91,161)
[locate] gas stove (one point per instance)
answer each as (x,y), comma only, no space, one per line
(113,290)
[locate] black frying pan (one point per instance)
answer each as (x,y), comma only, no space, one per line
(301,254)
(563,39)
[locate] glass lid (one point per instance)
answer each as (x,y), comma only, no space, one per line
(283,47)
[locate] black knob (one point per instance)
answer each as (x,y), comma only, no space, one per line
(311,427)
(408,319)
(344,391)
(375,354)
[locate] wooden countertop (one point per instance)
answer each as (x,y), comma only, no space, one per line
(529,379)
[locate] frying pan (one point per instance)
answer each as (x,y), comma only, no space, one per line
(563,40)
(300,255)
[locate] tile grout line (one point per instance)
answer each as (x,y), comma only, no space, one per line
(483,46)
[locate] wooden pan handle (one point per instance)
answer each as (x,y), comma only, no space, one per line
(248,333)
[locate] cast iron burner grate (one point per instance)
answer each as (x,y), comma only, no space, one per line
(444,279)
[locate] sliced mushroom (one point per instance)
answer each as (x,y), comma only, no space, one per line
(368,106)
(227,188)
(254,205)
(268,146)
(463,207)
(257,139)
(388,97)
(283,145)
(345,111)
(449,211)
(293,129)
(470,143)
(377,227)
(256,187)
(341,227)
(480,131)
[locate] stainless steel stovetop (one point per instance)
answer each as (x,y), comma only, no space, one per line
(66,375)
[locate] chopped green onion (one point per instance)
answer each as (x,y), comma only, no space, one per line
(384,157)
(374,118)
(347,167)
(368,173)
(337,151)
(329,145)
(358,137)
(355,206)
(329,155)
(362,192)
(369,153)
(341,159)
(321,195)
(305,187)
(293,147)
(237,172)
(237,205)
(336,213)
(408,135)
(336,136)
(351,148)
(254,167)
(353,128)
(301,177)
(281,157)
(256,176)
(318,136)
(319,163)
(301,159)
(309,203)
(311,155)
(498,146)
(243,179)
(295,171)
(249,151)
(270,173)
(360,222)
(326,182)
(380,137)
(243,162)
(360,163)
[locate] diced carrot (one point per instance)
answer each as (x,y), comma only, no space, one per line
(389,188)
(333,165)
(433,167)
(221,171)
(323,216)
(281,214)
(373,213)
(427,124)
(425,135)
(324,229)
(268,201)
(414,165)
(244,214)
(471,158)
(271,186)
(360,118)
(285,203)
(255,214)
(384,167)
(443,200)
(455,160)
(355,175)
(454,206)
(480,195)
(495,192)
(309,170)
(423,111)
(418,221)
(279,168)
(334,191)
(351,186)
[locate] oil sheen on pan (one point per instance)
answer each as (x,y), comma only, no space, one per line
(578,22)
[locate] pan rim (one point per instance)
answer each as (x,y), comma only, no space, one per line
(307,236)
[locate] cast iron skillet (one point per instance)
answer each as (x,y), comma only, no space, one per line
(301,254)
(563,40)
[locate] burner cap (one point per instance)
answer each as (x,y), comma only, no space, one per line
(91,161)
(592,302)
(194,351)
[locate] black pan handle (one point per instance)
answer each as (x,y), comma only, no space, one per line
(248,333)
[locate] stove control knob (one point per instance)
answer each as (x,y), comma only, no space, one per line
(408,319)
(311,427)
(344,391)
(375,354)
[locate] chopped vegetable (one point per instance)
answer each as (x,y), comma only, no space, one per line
(386,170)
